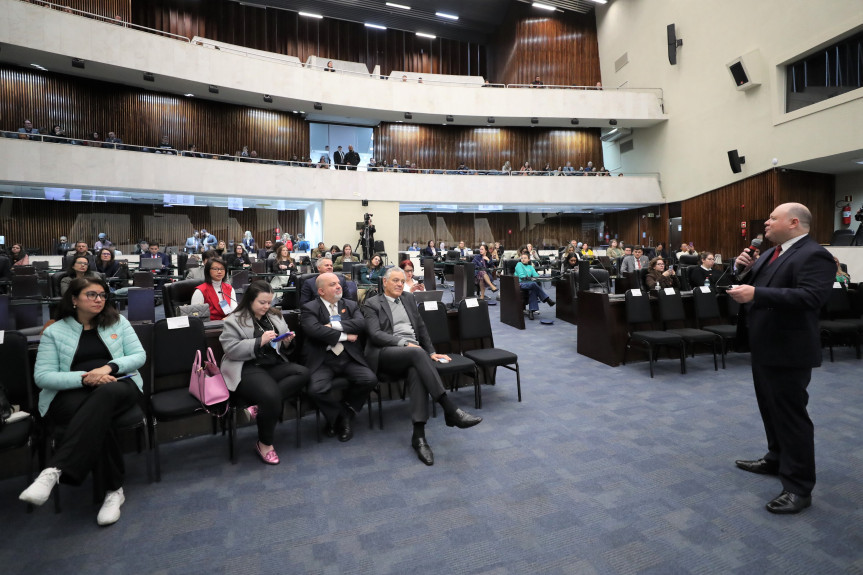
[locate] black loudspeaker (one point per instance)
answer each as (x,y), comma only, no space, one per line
(735,160)
(739,74)
(583,275)
(673,43)
(365,203)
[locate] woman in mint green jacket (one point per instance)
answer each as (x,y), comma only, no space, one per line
(86,368)
(525,271)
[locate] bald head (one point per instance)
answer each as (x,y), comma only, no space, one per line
(328,287)
(787,221)
(801,212)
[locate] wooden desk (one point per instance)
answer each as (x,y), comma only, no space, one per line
(567,304)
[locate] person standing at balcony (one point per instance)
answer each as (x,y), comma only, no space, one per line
(352,159)
(339,159)
(536,83)
(114,141)
(28,131)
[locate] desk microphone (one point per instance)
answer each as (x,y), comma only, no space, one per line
(756,243)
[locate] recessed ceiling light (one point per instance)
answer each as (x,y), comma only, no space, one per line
(38,67)
(447,16)
(189,95)
(543,6)
(600,1)
(402,6)
(310,15)
(378,26)
(424,35)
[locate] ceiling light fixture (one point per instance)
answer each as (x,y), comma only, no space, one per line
(424,35)
(213,89)
(78,63)
(445,15)
(376,26)
(149,77)
(310,15)
(402,6)
(189,95)
(534,120)
(38,67)
(409,116)
(574,121)
(268,99)
(599,1)
(544,6)
(319,106)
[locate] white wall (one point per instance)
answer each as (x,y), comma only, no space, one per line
(850,184)
(341,216)
(707,115)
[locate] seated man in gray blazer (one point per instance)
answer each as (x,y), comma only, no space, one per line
(399,345)
(637,261)
(331,326)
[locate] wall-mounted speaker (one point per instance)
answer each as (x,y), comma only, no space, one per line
(736,160)
(746,71)
(673,44)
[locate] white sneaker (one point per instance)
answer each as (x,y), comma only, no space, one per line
(40,490)
(110,511)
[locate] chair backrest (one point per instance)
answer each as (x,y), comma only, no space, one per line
(671,306)
(23,270)
(642,278)
(143,280)
(142,305)
(637,307)
(842,237)
(177,294)
(838,305)
(15,375)
(733,308)
(174,352)
(54,283)
(473,321)
(240,279)
(705,303)
(436,321)
(351,292)
(509,266)
(25,286)
(259,266)
(41,265)
(689,259)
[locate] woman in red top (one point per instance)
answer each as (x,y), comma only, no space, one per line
(215,292)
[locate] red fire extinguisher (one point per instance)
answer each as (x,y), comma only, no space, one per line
(846,215)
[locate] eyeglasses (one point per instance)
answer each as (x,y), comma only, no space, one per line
(96,295)
(215,269)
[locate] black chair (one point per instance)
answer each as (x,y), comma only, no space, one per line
(473,324)
(438,329)
(16,380)
(689,260)
(842,237)
(837,325)
(638,313)
(23,270)
(143,280)
(173,354)
(671,312)
(707,309)
(176,294)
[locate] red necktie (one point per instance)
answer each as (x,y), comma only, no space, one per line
(775,255)
(638,264)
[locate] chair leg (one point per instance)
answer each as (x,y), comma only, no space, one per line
(146,438)
(156,451)
(380,411)
(318,423)
(371,418)
(232,434)
(650,359)
(518,381)
(683,358)
(477,389)
(626,350)
(299,417)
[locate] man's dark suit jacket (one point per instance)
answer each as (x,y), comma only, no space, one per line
(379,326)
(308,291)
(318,336)
(166,259)
(339,159)
(783,318)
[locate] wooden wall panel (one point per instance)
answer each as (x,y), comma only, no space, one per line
(711,221)
(38,223)
(561,48)
(511,229)
(286,32)
(140,117)
(485,148)
(109,8)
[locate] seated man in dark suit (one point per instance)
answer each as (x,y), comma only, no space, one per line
(309,291)
(331,326)
(399,345)
(154,253)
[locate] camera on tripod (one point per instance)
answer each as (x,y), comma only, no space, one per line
(859,215)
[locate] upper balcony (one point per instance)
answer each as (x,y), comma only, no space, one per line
(33,34)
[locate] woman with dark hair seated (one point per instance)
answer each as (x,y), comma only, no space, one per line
(374,271)
(19,256)
(78,268)
(429,251)
(570,263)
(215,292)
(347,256)
(239,259)
(524,270)
(256,367)
(657,275)
(699,274)
(106,265)
(482,271)
(86,367)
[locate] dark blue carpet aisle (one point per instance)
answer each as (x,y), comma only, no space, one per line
(600,470)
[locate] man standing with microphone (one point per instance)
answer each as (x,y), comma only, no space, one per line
(785,289)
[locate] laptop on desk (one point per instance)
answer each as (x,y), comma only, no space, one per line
(149,264)
(431,295)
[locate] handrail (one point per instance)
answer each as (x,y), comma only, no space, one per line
(173,152)
(115,20)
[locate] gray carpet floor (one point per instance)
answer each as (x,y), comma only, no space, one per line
(599,470)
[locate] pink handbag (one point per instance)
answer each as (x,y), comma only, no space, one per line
(207,384)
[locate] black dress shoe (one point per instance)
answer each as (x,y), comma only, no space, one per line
(423,449)
(346,431)
(530,314)
(788,503)
(461,419)
(760,466)
(329,430)
(549,301)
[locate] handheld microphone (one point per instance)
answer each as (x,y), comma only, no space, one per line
(756,243)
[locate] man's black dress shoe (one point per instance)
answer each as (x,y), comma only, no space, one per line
(346,431)
(759,466)
(423,449)
(788,503)
(530,314)
(461,419)
(549,301)
(329,430)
